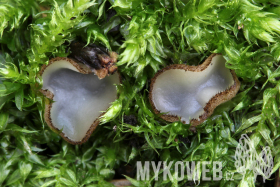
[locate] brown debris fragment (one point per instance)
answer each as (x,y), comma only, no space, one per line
(97,58)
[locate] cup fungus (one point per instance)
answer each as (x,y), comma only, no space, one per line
(191,93)
(79,97)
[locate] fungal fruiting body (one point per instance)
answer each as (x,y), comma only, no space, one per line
(79,98)
(191,93)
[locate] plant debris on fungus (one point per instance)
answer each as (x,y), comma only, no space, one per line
(191,93)
(79,96)
(96,58)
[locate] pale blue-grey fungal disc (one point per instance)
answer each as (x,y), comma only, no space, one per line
(79,99)
(184,91)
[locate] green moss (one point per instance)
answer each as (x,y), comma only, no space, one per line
(152,34)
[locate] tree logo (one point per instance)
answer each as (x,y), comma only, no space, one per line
(247,158)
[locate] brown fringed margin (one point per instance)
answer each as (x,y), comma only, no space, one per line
(212,103)
(48,102)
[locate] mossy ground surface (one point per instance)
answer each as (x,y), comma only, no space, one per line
(148,35)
